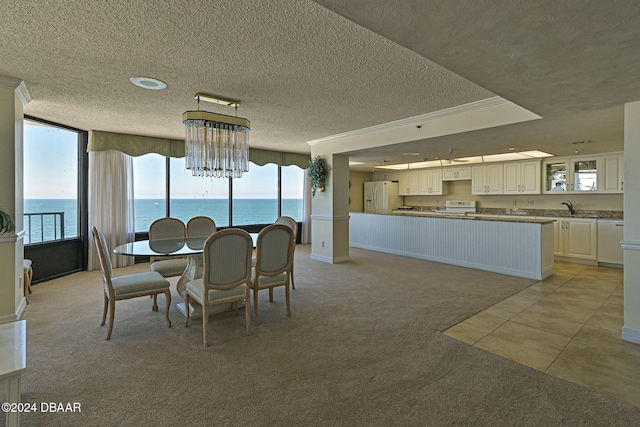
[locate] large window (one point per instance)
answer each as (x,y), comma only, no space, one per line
(192,196)
(292,191)
(255,196)
(150,197)
(254,200)
(50,183)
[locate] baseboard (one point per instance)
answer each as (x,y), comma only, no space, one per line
(576,260)
(21,308)
(631,335)
(329,260)
(610,265)
(8,319)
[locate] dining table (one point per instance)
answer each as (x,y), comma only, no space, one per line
(190,247)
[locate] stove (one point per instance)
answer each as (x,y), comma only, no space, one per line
(458,207)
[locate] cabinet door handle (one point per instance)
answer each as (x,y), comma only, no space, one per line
(619,225)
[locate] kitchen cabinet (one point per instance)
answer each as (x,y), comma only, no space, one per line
(575,238)
(430,182)
(487,179)
(385,176)
(456,174)
(521,178)
(408,183)
(572,175)
(610,234)
(612,174)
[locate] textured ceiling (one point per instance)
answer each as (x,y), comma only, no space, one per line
(572,62)
(304,72)
(300,71)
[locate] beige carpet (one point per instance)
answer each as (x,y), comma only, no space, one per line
(363,347)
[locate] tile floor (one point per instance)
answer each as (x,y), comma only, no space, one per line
(568,326)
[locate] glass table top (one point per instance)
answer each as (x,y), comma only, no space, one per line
(167,247)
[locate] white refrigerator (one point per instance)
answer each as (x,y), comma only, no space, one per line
(381,197)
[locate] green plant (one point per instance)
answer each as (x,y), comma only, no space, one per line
(318,173)
(6,223)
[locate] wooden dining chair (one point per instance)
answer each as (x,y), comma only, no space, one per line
(226,278)
(168,228)
(293,225)
(274,263)
(126,287)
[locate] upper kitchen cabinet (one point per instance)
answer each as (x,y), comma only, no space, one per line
(572,175)
(385,176)
(430,182)
(521,178)
(408,183)
(487,179)
(456,174)
(612,175)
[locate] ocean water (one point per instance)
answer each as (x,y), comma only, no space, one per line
(47,227)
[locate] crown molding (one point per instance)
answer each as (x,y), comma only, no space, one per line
(23,93)
(18,85)
(417,120)
(10,82)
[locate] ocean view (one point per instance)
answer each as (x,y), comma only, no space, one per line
(41,228)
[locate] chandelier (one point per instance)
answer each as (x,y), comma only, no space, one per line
(216,145)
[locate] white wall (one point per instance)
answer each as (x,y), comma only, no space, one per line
(12,302)
(631,242)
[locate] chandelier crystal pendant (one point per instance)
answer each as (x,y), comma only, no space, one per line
(216,145)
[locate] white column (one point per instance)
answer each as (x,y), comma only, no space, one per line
(330,212)
(631,242)
(12,302)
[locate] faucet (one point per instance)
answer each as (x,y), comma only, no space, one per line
(570,206)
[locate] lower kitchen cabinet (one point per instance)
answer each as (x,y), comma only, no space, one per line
(575,238)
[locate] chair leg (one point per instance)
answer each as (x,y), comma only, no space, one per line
(25,284)
(112,313)
(247,313)
(187,308)
(287,293)
(104,310)
(270,294)
(155,302)
(167,294)
(255,306)
(293,285)
(205,323)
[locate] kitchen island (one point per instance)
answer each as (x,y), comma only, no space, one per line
(513,246)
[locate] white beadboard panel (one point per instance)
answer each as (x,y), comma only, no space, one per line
(514,248)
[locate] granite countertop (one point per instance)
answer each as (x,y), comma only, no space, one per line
(556,213)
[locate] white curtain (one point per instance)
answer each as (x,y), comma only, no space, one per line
(306,210)
(111,203)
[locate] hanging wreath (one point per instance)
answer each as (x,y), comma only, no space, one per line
(7,224)
(318,173)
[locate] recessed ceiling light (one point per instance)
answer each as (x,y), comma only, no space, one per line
(511,149)
(148,83)
(581,142)
(410,154)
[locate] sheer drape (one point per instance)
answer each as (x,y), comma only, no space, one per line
(306,210)
(111,203)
